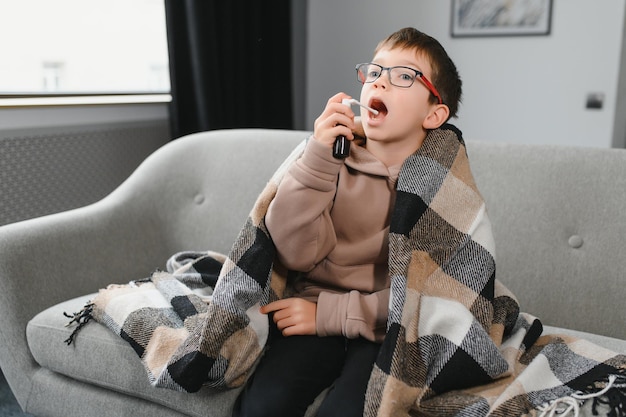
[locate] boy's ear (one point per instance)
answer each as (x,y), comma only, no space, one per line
(436,117)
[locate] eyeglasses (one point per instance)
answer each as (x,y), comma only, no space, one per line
(403,77)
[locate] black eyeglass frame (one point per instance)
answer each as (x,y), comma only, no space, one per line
(418,74)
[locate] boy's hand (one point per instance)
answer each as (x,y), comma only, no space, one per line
(336,120)
(293,316)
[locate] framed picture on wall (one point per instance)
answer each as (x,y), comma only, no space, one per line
(500,17)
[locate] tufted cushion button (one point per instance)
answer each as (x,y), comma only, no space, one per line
(575,241)
(199,199)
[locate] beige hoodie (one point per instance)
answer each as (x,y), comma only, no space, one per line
(330,220)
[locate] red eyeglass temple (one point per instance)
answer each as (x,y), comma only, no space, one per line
(432,88)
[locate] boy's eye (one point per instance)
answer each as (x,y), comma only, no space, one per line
(373,74)
(406,76)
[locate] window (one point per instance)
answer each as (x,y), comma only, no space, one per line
(83,47)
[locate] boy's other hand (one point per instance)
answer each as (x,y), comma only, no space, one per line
(293,316)
(337,119)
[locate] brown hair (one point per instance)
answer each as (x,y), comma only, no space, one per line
(445,76)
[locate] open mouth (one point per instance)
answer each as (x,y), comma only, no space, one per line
(378,105)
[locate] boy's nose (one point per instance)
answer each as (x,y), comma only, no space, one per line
(382,81)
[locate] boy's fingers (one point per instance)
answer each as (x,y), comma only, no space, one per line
(281,315)
(274,306)
(338,97)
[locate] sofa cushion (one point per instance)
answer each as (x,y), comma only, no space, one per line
(610,343)
(99,357)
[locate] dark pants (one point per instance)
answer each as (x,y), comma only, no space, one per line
(295,369)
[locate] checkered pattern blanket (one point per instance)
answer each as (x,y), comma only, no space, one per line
(456,343)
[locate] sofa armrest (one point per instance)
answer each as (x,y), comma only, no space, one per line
(192,194)
(50,259)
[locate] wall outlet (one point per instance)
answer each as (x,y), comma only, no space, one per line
(595,100)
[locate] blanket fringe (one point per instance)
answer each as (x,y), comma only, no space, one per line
(612,395)
(80,318)
(615,399)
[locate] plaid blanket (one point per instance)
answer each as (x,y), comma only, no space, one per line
(456,343)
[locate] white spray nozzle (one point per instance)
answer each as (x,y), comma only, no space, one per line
(350,101)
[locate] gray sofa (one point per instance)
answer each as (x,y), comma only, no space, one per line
(559,218)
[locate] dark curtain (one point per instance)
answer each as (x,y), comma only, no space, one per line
(230,64)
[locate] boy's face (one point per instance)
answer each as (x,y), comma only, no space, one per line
(402,111)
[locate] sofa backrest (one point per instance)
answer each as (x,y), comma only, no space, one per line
(559,220)
(200,188)
(558,213)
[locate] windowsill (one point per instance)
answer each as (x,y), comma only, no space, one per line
(82,100)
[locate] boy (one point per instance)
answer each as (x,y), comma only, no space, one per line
(330,220)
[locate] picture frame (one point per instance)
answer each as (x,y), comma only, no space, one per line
(501,18)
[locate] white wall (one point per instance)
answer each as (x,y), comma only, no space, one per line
(516,89)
